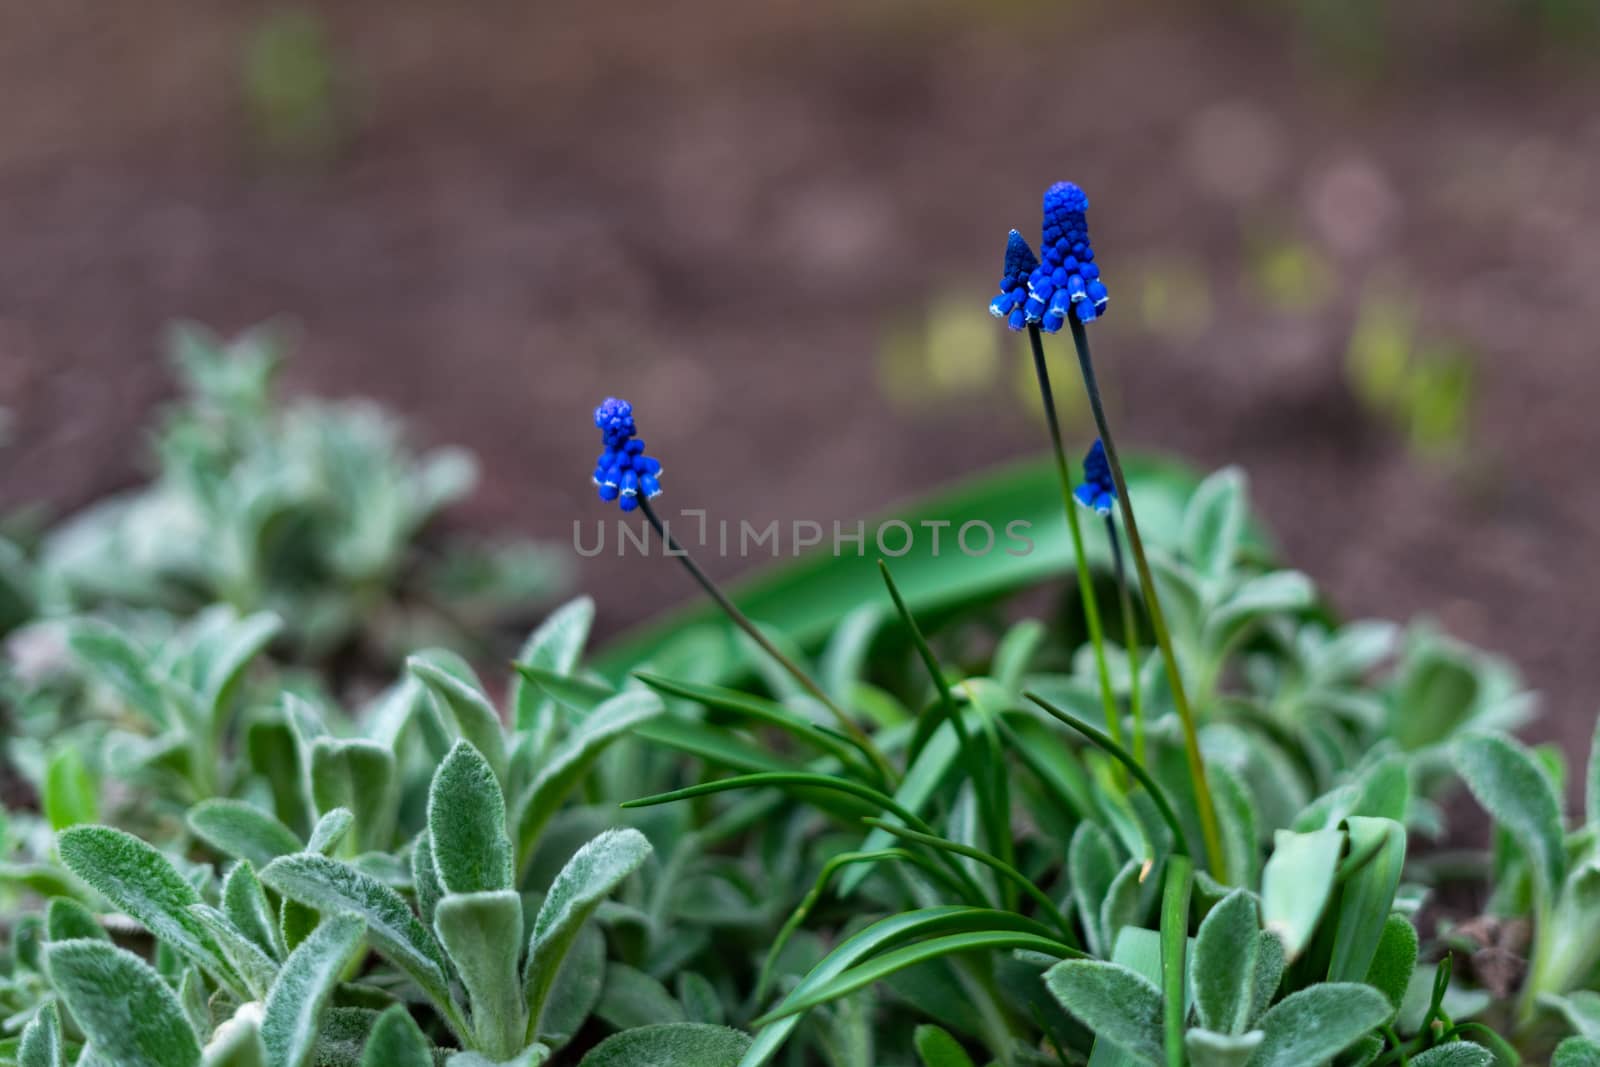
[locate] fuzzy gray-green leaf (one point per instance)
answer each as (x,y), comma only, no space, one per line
(576,989)
(1575,1052)
(142,882)
(333,887)
(590,876)
(670,1045)
(1092,866)
(41,1044)
(358,775)
(330,830)
(467,824)
(1319,1022)
(255,967)
(1206,1048)
(1223,970)
(289,1023)
(68,920)
(129,1013)
(1395,960)
(555,646)
(1119,1005)
(1461,1054)
(482,932)
(1508,781)
(245,904)
(462,708)
(242,830)
(396,1041)
(237,1042)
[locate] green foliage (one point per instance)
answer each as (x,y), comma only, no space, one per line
(671,1045)
(127,1011)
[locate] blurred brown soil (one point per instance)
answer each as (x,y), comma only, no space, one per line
(719,208)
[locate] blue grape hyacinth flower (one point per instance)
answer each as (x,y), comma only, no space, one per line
(623,472)
(1098,491)
(1020,263)
(1067,279)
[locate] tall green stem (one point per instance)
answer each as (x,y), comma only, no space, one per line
(1158,623)
(1091,607)
(1130,638)
(739,619)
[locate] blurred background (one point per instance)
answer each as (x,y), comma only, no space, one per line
(1352,247)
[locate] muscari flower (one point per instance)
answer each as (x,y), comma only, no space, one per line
(1067,276)
(1020,262)
(623,472)
(1098,491)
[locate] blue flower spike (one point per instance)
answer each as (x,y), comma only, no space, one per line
(1020,263)
(623,472)
(1067,279)
(1098,492)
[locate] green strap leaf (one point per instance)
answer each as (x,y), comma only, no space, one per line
(242,830)
(590,876)
(670,1045)
(467,824)
(304,985)
(936,1048)
(1368,896)
(1296,884)
(130,1015)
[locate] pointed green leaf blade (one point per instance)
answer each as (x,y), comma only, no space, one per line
(467,824)
(303,987)
(242,831)
(397,1041)
(131,1016)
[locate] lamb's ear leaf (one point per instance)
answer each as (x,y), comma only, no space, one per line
(1517,793)
(1319,1022)
(936,1048)
(1121,1006)
(1223,970)
(242,830)
(671,1045)
(304,985)
(482,932)
(1207,1048)
(141,881)
(113,658)
(467,824)
(69,920)
(237,1042)
(69,791)
(358,775)
(555,646)
(397,1041)
(590,876)
(1574,1052)
(1466,1054)
(1395,960)
(1092,863)
(333,887)
(576,990)
(41,1040)
(461,709)
(1270,963)
(253,964)
(130,1015)
(425,878)
(572,759)
(245,904)
(330,831)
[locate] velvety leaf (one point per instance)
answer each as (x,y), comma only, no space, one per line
(1462,1054)
(590,876)
(245,904)
(1207,1048)
(699,999)
(330,830)
(1270,963)
(41,1044)
(1214,522)
(1224,966)
(576,990)
(247,958)
(556,647)
(1575,1052)
(1119,1005)
(1296,883)
(289,1022)
(333,887)
(936,1048)
(572,759)
(1317,1023)
(143,883)
(1395,960)
(425,878)
(237,1042)
(1508,781)
(462,709)
(482,933)
(68,920)
(358,775)
(242,831)
(112,658)
(129,1013)
(1092,867)
(629,999)
(397,1041)
(467,824)
(670,1045)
